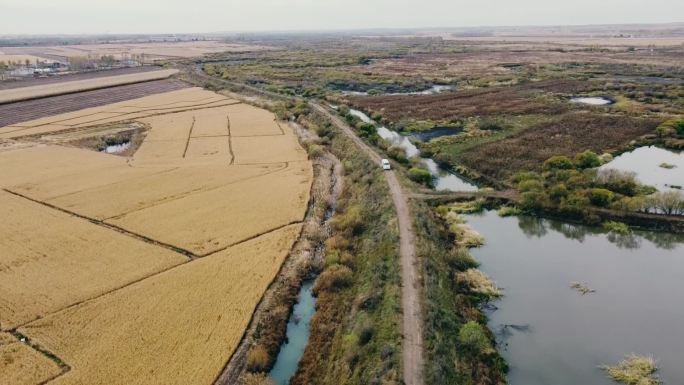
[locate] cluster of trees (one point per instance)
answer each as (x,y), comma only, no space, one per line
(573,185)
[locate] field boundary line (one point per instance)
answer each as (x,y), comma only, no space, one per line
(249,238)
(277,124)
(63,366)
(230,142)
(190,255)
(152,275)
(187,142)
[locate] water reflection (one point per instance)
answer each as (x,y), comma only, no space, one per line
(548,333)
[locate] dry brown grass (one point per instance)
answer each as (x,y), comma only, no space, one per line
(22,365)
(477,282)
(634,370)
(178,327)
(566,135)
(34,92)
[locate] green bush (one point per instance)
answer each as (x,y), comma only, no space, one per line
(534,200)
(314,151)
(558,162)
(558,192)
(587,159)
(472,336)
(397,153)
(616,227)
(530,185)
(334,278)
(601,197)
(575,202)
(420,175)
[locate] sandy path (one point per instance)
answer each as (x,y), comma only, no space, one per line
(412,345)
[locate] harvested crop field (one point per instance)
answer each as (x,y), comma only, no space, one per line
(22,365)
(33,109)
(68,87)
(145,269)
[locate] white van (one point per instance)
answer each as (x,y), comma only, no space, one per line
(386,165)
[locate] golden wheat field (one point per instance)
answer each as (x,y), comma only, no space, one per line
(22,365)
(143,269)
(24,93)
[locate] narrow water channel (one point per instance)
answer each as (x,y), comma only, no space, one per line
(299,323)
(444,180)
(551,334)
(297,336)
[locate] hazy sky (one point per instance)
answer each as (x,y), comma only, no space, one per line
(162,16)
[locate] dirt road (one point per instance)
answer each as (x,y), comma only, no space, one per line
(412,345)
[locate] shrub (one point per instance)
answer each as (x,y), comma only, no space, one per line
(575,202)
(558,162)
(616,227)
(420,175)
(534,200)
(621,182)
(601,197)
(530,185)
(351,220)
(397,153)
(257,359)
(334,278)
(509,211)
(473,337)
(587,159)
(558,192)
(314,151)
(367,130)
(526,175)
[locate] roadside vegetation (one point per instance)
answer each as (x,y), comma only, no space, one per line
(459,347)
(355,333)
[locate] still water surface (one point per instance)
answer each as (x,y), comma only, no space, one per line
(551,334)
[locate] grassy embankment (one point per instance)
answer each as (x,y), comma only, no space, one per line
(459,347)
(355,333)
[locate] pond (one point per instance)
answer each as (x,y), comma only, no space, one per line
(117,148)
(593,101)
(435,89)
(297,336)
(552,334)
(443,179)
(437,132)
(646,163)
